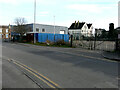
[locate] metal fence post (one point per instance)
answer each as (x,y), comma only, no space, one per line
(116,47)
(71,40)
(95,39)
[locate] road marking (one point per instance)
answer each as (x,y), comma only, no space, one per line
(35,75)
(44,79)
(41,75)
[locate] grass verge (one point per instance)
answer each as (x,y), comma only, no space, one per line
(51,45)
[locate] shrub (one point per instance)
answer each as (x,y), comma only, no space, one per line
(60,42)
(48,42)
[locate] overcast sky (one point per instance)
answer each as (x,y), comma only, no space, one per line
(98,12)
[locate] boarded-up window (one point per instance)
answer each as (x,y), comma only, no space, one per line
(62,32)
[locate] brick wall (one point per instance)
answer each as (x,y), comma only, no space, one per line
(6,35)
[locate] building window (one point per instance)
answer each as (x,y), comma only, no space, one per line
(6,30)
(0,36)
(1,30)
(72,32)
(91,27)
(43,30)
(62,32)
(85,27)
(37,29)
(6,35)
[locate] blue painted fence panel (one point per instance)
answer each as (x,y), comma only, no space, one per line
(42,37)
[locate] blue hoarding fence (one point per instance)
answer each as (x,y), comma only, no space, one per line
(42,37)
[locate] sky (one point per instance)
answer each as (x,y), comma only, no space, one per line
(98,12)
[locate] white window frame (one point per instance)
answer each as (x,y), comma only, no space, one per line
(62,31)
(6,35)
(1,30)
(6,30)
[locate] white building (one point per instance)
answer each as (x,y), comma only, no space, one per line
(79,29)
(42,28)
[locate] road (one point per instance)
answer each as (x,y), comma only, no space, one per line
(30,66)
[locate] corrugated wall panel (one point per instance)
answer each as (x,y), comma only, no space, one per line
(42,37)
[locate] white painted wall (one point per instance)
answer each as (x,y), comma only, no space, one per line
(84,31)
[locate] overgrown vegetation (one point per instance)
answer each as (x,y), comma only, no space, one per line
(20,27)
(59,43)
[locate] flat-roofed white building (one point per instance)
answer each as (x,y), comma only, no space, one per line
(43,28)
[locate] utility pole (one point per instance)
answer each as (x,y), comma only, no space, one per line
(54,25)
(34,28)
(54,28)
(95,39)
(71,36)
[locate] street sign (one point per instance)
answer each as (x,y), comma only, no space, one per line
(118,36)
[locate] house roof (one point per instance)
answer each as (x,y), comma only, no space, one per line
(77,25)
(89,25)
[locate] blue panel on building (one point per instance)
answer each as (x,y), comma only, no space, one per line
(42,37)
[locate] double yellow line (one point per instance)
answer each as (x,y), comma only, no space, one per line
(46,80)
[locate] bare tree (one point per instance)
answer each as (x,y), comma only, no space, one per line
(20,21)
(20,27)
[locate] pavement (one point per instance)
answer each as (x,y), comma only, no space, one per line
(111,55)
